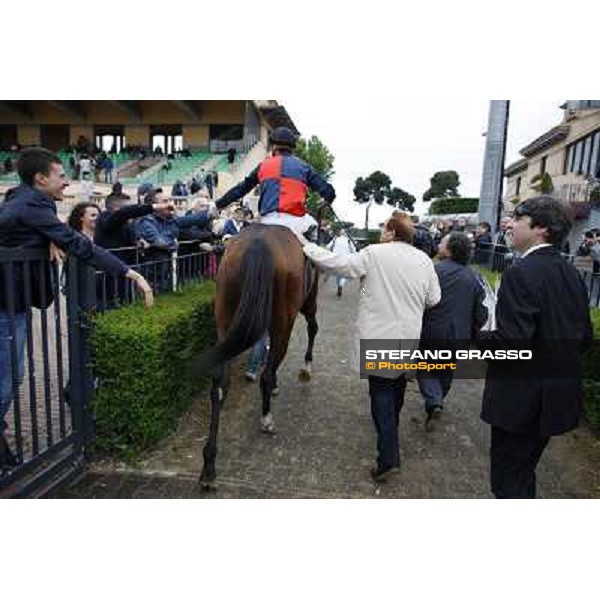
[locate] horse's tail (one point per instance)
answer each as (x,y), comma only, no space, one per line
(253,314)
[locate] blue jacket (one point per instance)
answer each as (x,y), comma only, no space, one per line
(461,313)
(230,229)
(28,220)
(284,183)
(162,232)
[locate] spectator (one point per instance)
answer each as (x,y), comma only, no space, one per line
(115,230)
(483,244)
(341,245)
(97,163)
(501,253)
(231,156)
(179,189)
(85,167)
(144,190)
(542,299)
(460,225)
(594,244)
(195,186)
(28,220)
(161,230)
(108,166)
(202,234)
(86,188)
(8,165)
(399,283)
(453,322)
(74,167)
(234,225)
(423,240)
(83,219)
(590,246)
(117,193)
(201,178)
(209,183)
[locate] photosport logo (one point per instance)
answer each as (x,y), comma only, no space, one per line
(385,358)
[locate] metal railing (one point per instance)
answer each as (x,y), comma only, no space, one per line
(45,374)
(46,380)
(164,270)
(498,258)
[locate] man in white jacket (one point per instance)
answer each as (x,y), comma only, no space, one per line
(399,284)
(341,245)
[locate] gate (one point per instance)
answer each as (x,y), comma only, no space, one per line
(45,372)
(46,378)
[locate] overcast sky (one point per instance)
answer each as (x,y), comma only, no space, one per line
(410,139)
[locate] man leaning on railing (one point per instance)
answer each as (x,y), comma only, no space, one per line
(28,220)
(160,232)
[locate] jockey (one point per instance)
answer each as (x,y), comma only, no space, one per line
(284,181)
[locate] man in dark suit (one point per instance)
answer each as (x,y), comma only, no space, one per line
(453,322)
(543,302)
(500,249)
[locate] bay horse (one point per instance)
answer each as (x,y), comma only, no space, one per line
(263,282)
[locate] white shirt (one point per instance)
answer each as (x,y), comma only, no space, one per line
(342,245)
(298,225)
(534,248)
(399,283)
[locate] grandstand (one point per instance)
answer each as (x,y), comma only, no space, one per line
(205,129)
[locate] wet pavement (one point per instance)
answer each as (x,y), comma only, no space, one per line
(325,441)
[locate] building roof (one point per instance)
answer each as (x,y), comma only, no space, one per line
(515,167)
(550,138)
(277,116)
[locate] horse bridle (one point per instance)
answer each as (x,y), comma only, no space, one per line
(320,219)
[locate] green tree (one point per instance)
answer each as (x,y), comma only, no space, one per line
(318,156)
(377,187)
(542,184)
(401,199)
(443,184)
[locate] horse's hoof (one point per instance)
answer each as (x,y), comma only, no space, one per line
(207,485)
(304,375)
(267,424)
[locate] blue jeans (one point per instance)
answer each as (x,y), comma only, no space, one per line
(6,373)
(387,398)
(257,356)
(434,388)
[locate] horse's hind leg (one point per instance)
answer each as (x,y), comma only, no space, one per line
(268,379)
(209,474)
(309,310)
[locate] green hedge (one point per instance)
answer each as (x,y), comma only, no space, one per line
(451,206)
(142,360)
(591,382)
(371,236)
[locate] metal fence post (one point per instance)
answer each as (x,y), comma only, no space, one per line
(81,301)
(174,263)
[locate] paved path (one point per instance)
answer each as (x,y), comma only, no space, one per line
(325,443)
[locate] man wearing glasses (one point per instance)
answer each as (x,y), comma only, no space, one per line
(541,301)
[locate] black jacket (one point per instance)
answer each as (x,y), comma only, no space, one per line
(461,313)
(114,231)
(28,220)
(542,301)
